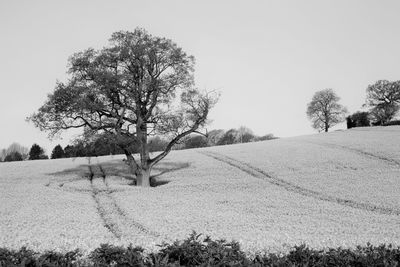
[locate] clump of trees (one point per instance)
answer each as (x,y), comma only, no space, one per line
(235,136)
(15,152)
(383,101)
(136,87)
(324,110)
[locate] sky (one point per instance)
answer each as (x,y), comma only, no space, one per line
(266,58)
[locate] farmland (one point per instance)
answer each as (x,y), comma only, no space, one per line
(326,190)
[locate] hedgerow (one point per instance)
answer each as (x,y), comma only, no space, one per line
(196,251)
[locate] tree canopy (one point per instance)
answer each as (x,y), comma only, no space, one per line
(139,85)
(383,97)
(325,111)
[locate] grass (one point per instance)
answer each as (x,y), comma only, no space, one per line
(326,190)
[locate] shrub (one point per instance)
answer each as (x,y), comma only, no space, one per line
(195,251)
(358,119)
(109,255)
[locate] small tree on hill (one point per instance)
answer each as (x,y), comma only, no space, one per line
(36,152)
(58,152)
(139,85)
(325,111)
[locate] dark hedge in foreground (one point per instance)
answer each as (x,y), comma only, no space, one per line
(194,251)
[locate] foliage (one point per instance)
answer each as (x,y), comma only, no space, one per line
(36,152)
(137,86)
(358,119)
(195,141)
(13,156)
(14,147)
(383,97)
(324,110)
(109,255)
(58,152)
(27,257)
(214,136)
(228,138)
(390,123)
(207,252)
(194,251)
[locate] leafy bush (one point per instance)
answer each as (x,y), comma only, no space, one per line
(195,251)
(109,255)
(26,257)
(206,252)
(358,119)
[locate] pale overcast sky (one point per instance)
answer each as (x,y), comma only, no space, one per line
(267,58)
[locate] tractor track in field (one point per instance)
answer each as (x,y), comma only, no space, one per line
(272,179)
(359,152)
(112,216)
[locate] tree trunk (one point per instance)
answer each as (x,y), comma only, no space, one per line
(326,128)
(143,172)
(143,177)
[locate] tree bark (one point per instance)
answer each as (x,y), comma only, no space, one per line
(143,177)
(143,172)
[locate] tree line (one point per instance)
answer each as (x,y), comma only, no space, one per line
(382,101)
(102,146)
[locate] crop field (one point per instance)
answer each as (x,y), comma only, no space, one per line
(325,190)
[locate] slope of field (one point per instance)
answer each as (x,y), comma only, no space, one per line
(334,189)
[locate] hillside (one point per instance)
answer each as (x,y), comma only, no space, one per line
(334,189)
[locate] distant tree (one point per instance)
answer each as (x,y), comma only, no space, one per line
(383,98)
(69,151)
(3,154)
(196,141)
(139,85)
(230,137)
(358,119)
(36,152)
(156,143)
(245,135)
(214,136)
(16,147)
(265,137)
(58,152)
(325,111)
(13,156)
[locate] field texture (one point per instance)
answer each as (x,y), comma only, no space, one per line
(325,190)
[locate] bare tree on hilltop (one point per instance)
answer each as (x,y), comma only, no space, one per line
(324,110)
(129,90)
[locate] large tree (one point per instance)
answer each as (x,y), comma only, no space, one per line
(129,90)
(325,111)
(383,97)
